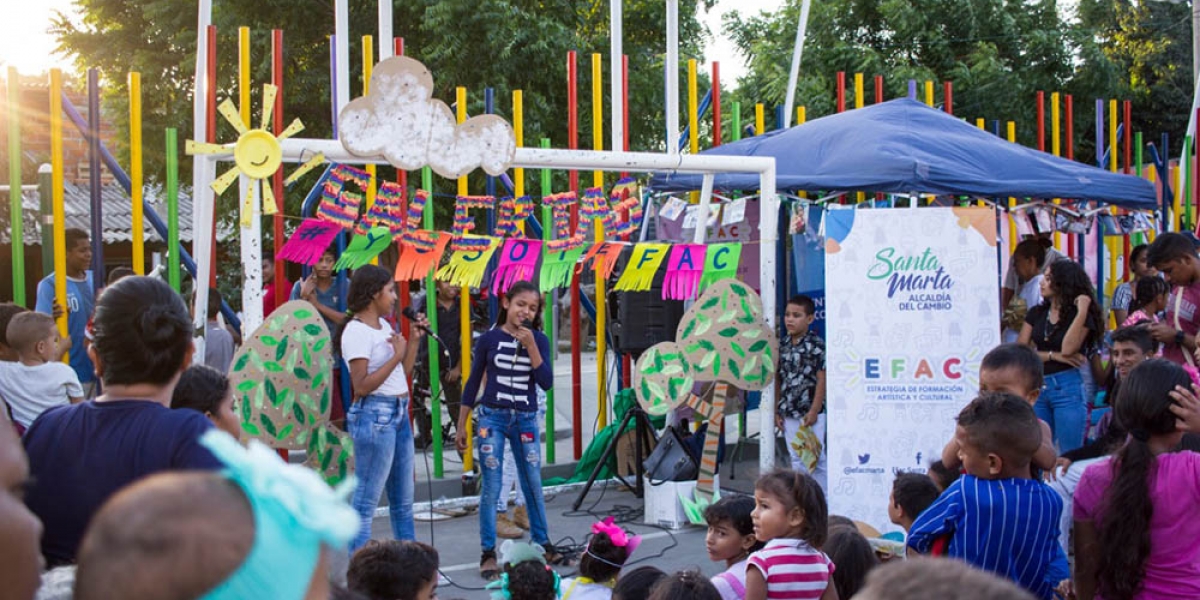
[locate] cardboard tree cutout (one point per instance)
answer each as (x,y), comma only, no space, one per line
(282,378)
(722,339)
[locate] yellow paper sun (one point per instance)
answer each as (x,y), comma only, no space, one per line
(257,153)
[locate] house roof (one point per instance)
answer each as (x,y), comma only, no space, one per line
(117,214)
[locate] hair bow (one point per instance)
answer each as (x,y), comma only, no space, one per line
(618,536)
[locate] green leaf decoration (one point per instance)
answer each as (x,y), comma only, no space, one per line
(312,420)
(269,340)
(727,317)
(268,426)
(272,367)
(245,386)
(733,368)
(306,400)
(752,334)
(758,346)
(750,364)
(241,362)
(651,370)
(307,355)
(328,456)
(324,401)
(298,412)
(706,361)
(674,370)
(276,322)
(687,331)
(251,429)
(646,393)
(694,347)
(739,290)
(317,347)
(285,432)
(707,345)
(312,329)
(272,393)
(704,324)
(341,467)
(258,398)
(746,308)
(318,380)
(246,408)
(291,361)
(281,349)
(728,332)
(711,302)
(302,437)
(737,349)
(301,373)
(303,313)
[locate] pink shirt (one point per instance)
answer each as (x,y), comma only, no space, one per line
(1173,566)
(793,569)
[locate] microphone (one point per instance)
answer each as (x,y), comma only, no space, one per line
(411,314)
(527,324)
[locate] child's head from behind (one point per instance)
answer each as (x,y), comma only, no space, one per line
(854,557)
(912,493)
(941,475)
(205,389)
(521,303)
(1143,404)
(33,336)
(394,570)
(8,310)
(603,558)
(730,528)
(532,580)
(997,435)
(790,504)
(143,333)
(214,303)
(636,584)
(925,578)
(799,315)
(684,585)
(1014,369)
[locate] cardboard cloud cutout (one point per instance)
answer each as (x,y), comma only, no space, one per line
(401,120)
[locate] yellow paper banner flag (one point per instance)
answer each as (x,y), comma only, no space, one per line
(643,265)
(466,268)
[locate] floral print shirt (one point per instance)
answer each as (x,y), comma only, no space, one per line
(799,363)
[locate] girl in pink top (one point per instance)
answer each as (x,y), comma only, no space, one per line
(791,517)
(1137,514)
(1150,298)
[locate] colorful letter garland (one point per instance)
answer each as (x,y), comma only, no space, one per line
(337,204)
(721,262)
(421,253)
(387,210)
(518,260)
(560,205)
(512,213)
(623,199)
(684,269)
(639,272)
(309,241)
(464,223)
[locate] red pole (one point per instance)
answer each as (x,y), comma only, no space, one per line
(576,344)
(716,103)
(626,359)
(841,91)
(402,179)
(211,133)
(878,89)
(281,290)
(948,94)
(1041,121)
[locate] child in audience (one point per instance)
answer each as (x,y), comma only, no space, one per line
(942,475)
(527,576)
(684,585)
(8,310)
(264,531)
(801,384)
(1151,299)
(790,516)
(36,381)
(936,579)
(912,493)
(1014,369)
(203,388)
(854,557)
(999,518)
(636,584)
(1136,515)
(218,342)
(730,539)
(394,570)
(601,563)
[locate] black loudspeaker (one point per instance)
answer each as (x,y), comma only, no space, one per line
(639,320)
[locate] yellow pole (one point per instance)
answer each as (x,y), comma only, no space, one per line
(980,123)
(244,74)
(598,176)
(368,62)
(929,92)
(135,172)
(1115,245)
(858,90)
(801,115)
(1055,148)
(60,231)
(519,131)
(464,296)
(1012,202)
(760,119)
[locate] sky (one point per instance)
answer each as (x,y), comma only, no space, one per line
(28,46)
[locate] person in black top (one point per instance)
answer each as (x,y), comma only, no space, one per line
(449,328)
(1062,330)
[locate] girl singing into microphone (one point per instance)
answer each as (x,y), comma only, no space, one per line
(512,355)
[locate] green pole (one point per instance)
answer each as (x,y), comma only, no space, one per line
(548,318)
(173,209)
(737,121)
(435,380)
(1137,153)
(16,214)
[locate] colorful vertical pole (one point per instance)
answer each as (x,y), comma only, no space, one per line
(464,296)
(173,276)
(716,104)
(1115,242)
(859,99)
(16,212)
(929,93)
(598,181)
(434,354)
(573,178)
(1099,224)
(548,316)
(948,97)
(244,74)
(693,117)
(878,89)
(56,165)
(93,83)
(281,290)
(135,173)
(1012,202)
(402,179)
(841,91)
(368,61)
(1055,145)
(210,133)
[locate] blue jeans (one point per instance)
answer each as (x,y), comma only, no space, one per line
(495,427)
(383,454)
(1061,406)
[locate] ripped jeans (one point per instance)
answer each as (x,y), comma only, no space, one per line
(495,427)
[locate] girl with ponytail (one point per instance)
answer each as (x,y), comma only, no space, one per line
(378,419)
(1137,514)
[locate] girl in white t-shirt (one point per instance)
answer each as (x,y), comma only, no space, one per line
(378,419)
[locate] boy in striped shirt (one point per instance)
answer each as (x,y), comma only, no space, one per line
(998,518)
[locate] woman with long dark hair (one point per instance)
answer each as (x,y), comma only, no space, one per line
(378,418)
(1136,515)
(1063,330)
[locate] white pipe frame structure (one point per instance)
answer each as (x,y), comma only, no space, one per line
(300,150)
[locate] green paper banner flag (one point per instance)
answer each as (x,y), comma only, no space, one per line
(363,248)
(557,267)
(721,262)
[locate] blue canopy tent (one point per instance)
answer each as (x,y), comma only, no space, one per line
(902,147)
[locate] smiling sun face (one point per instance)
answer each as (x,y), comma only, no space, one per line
(257,154)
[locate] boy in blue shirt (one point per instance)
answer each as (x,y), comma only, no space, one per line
(998,518)
(81,301)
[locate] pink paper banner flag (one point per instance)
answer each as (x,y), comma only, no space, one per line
(518,260)
(309,241)
(684,268)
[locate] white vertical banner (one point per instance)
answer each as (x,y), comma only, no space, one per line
(912,305)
